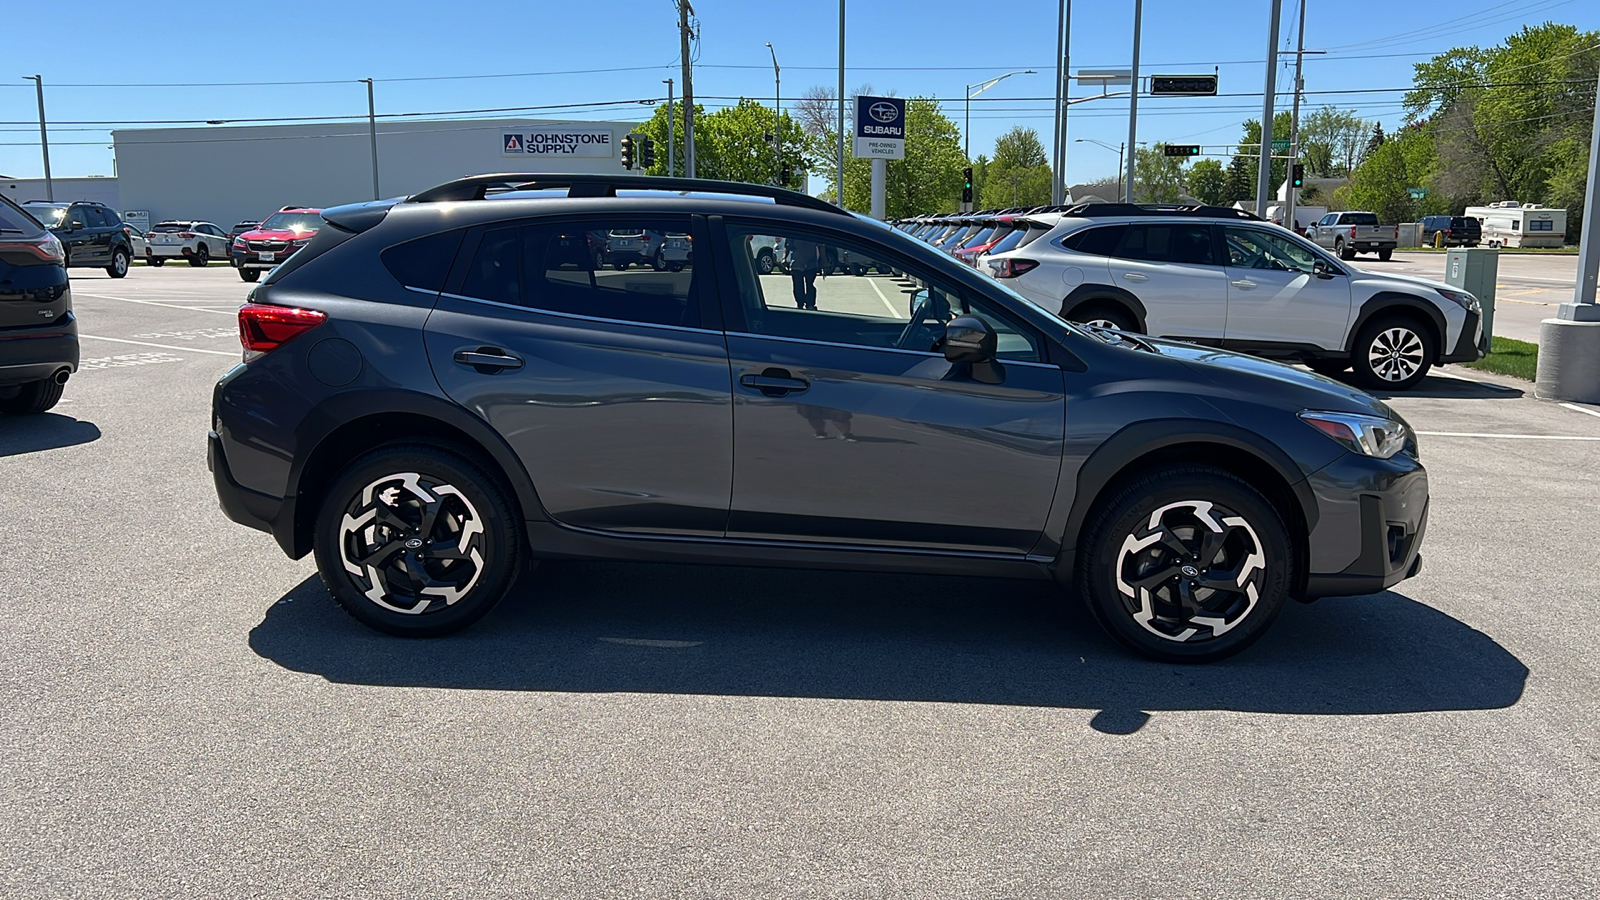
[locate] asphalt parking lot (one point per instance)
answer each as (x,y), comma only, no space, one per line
(188,714)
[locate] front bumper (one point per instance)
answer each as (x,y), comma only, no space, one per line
(251,259)
(1372,515)
(1472,345)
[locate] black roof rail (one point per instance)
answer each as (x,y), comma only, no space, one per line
(477,187)
(1150,209)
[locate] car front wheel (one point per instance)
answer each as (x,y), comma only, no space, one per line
(1392,355)
(1186,564)
(250,275)
(418,541)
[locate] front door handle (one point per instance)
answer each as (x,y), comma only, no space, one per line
(487,358)
(1244,285)
(1135,276)
(774,382)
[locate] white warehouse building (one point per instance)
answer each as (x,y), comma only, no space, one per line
(242,173)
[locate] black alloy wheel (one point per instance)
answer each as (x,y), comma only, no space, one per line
(1186,564)
(418,541)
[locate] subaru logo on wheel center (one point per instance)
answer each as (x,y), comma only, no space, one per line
(884,112)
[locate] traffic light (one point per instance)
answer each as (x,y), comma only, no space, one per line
(785,175)
(1299,175)
(1183,85)
(966,189)
(627,151)
(1182,149)
(647,152)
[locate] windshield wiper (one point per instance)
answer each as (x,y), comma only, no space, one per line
(1114,336)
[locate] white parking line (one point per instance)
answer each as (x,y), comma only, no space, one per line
(235,354)
(874,283)
(1510,437)
(150,303)
(1583,409)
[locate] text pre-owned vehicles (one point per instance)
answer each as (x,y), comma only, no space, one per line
(279,237)
(197,242)
(437,389)
(91,234)
(1222,277)
(1451,231)
(38,334)
(1349,233)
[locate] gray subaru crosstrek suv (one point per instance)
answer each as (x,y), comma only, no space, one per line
(439,389)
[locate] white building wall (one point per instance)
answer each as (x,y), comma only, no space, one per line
(98,188)
(233,174)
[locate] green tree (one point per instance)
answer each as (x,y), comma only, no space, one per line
(1381,183)
(1208,183)
(1157,177)
(731,144)
(1239,184)
(1019,174)
(1331,141)
(1250,148)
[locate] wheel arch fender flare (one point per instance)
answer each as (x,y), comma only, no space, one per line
(1387,302)
(1138,446)
(1088,293)
(350,423)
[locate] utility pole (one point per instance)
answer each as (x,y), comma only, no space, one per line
(1264,172)
(839,184)
(1058,152)
(688,88)
(1294,119)
(44,139)
(1133,97)
(777,117)
(372,131)
(672,165)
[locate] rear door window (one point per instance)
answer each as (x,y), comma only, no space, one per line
(641,272)
(1187,243)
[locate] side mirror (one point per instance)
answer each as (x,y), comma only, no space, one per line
(1321,270)
(73,225)
(969,339)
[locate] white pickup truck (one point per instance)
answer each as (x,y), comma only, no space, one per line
(1349,233)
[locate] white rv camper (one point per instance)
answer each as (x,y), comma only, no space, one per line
(1512,224)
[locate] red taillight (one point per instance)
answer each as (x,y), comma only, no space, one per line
(1011,268)
(263,328)
(186,234)
(45,247)
(1352,232)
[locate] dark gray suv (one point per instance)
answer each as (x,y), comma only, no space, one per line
(437,390)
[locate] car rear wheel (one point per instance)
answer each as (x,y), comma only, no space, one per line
(660,262)
(1343,251)
(200,257)
(1187,564)
(766,261)
(119,264)
(1103,315)
(250,275)
(1385,255)
(1392,354)
(32,398)
(418,541)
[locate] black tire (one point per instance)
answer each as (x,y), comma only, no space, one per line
(599,260)
(1328,367)
(250,275)
(1344,251)
(200,257)
(119,264)
(1105,315)
(474,548)
(675,267)
(1392,353)
(154,261)
(766,261)
(620,266)
(33,398)
(1185,617)
(1385,254)
(660,262)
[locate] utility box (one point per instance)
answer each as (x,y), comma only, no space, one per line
(1473,270)
(1410,234)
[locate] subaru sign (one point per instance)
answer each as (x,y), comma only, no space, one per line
(880,128)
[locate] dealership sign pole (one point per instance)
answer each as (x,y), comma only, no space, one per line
(880,136)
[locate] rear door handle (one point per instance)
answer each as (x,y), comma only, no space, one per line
(487,358)
(774,382)
(1244,285)
(1135,276)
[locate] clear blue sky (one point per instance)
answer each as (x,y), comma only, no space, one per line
(931,47)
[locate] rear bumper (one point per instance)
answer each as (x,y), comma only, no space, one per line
(168,251)
(34,354)
(239,503)
(1373,516)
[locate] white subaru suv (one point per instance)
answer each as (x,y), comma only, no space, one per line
(1223,277)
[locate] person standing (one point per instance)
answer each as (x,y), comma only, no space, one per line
(805,261)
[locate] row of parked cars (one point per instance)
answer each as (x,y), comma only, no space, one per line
(1219,277)
(93,235)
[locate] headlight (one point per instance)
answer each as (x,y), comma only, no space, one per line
(1367,435)
(1463,299)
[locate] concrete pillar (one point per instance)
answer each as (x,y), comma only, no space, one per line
(1569,361)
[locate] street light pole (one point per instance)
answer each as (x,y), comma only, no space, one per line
(372,132)
(777,116)
(1058,146)
(672,163)
(1119,148)
(44,139)
(1133,97)
(981,87)
(1264,169)
(1294,120)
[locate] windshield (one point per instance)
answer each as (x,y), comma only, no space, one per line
(51,216)
(298,222)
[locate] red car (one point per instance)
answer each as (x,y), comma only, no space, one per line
(284,232)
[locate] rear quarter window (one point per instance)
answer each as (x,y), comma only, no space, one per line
(1095,241)
(424,263)
(15,221)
